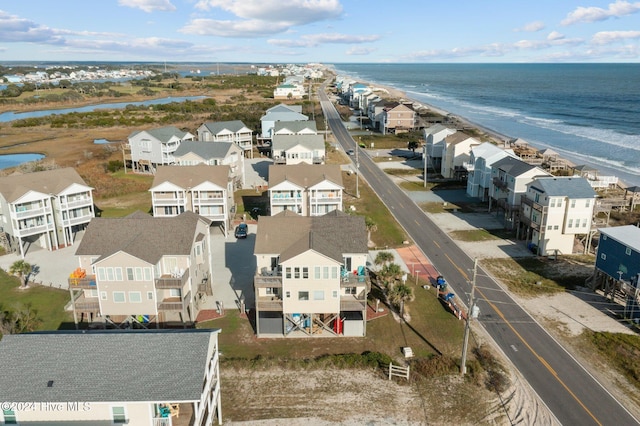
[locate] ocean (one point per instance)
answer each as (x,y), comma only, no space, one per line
(588,113)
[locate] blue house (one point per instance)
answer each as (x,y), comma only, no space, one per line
(618,263)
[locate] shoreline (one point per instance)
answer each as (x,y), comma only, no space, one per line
(499,138)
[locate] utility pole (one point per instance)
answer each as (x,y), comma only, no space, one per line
(426,159)
(465,342)
(357,169)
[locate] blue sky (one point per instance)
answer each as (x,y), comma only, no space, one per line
(328,31)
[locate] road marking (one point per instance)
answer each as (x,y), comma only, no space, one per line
(514,348)
(457,267)
(541,359)
(437,245)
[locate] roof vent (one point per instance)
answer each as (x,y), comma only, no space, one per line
(50,384)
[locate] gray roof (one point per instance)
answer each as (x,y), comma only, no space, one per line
(628,235)
(216,127)
(332,235)
(435,129)
(295,126)
(457,137)
(305,175)
(571,187)
(285,142)
(190,176)
(105,366)
(285,108)
(205,150)
(54,181)
(164,134)
(143,236)
(513,166)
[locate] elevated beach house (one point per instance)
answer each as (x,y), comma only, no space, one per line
(311,275)
(46,208)
(296,149)
(479,176)
(192,153)
(555,210)
(309,190)
(140,269)
(456,152)
(398,117)
(434,144)
(234,131)
(295,128)
(288,91)
(148,149)
(204,190)
(133,377)
(281,112)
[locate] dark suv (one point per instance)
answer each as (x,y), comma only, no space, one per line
(241,230)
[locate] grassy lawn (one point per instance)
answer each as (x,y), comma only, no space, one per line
(621,350)
(47,302)
(475,235)
(403,172)
(537,276)
(431,330)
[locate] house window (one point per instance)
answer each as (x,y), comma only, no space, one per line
(118,272)
(325,272)
(334,272)
(584,223)
(335,294)
(296,273)
(174,292)
(587,203)
(552,203)
(628,251)
(272,290)
(118,297)
(103,295)
(350,290)
(318,295)
(9,417)
(555,227)
(101,274)
(560,202)
(570,225)
(305,273)
(130,275)
(138,273)
(147,274)
(603,256)
(288,294)
(303,295)
(149,295)
(288,272)
(118,415)
(93,292)
(110,274)
(135,297)
(573,203)
(549,227)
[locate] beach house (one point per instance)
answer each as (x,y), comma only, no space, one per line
(234,131)
(191,153)
(456,151)
(298,148)
(295,128)
(309,190)
(202,189)
(148,149)
(277,113)
(479,178)
(288,91)
(47,208)
(134,377)
(434,145)
(398,118)
(311,275)
(554,211)
(141,269)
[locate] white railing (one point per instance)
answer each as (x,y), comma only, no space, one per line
(31,230)
(31,212)
(77,220)
(604,182)
(77,203)
(169,201)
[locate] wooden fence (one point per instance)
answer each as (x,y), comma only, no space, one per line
(396,370)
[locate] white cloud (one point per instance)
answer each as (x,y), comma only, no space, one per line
(554,36)
(531,27)
(16,29)
(594,14)
(318,39)
(261,17)
(149,5)
(607,37)
(359,50)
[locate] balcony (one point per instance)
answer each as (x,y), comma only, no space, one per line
(169,281)
(171,304)
(77,220)
(77,281)
(353,302)
(175,201)
(283,199)
(500,184)
(269,303)
(24,231)
(86,304)
(318,160)
(84,202)
(535,206)
(24,212)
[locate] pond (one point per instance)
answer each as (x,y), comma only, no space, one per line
(12,160)
(10,116)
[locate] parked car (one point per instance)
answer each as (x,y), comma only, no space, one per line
(241,230)
(350,152)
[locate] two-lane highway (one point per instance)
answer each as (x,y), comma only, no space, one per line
(570,392)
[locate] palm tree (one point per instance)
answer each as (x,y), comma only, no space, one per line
(383,258)
(21,269)
(390,273)
(413,145)
(399,294)
(371,227)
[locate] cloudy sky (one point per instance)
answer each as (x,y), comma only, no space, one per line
(329,31)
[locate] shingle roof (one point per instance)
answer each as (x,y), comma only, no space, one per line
(435,129)
(572,187)
(285,142)
(164,134)
(48,182)
(190,176)
(144,237)
(285,108)
(514,166)
(295,126)
(305,175)
(162,365)
(218,126)
(456,138)
(628,235)
(205,150)
(333,234)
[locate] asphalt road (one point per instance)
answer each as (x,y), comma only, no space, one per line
(570,392)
